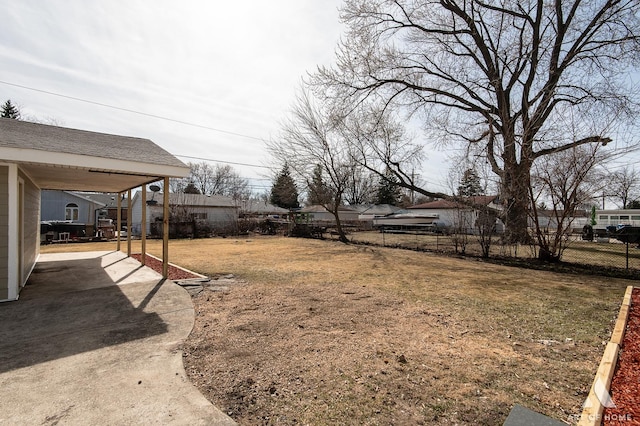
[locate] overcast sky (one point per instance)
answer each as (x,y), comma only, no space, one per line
(229,66)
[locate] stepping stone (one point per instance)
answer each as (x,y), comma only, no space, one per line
(521,416)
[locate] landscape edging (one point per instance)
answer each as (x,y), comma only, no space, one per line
(593,409)
(177,266)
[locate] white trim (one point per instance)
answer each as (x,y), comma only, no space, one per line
(20,206)
(13,286)
(75,161)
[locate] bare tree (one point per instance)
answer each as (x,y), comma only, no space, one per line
(361,187)
(310,137)
(216,180)
(496,74)
(624,186)
(565,181)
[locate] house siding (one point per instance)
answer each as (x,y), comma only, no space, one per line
(4,232)
(55,202)
(217,217)
(31,237)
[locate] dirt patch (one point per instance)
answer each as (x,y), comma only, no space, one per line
(337,353)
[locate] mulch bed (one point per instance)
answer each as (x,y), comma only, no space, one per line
(156,265)
(625,386)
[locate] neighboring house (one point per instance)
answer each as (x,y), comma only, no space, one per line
(454,215)
(68,206)
(110,205)
(617,217)
(608,218)
(80,208)
(261,210)
(318,213)
(35,157)
(214,211)
(548,220)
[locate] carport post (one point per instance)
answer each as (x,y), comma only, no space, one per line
(129,223)
(143,226)
(118,220)
(165,229)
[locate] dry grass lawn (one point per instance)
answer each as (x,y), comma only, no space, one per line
(317,332)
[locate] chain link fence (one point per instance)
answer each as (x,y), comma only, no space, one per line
(602,252)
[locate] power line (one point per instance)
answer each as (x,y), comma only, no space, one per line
(186,123)
(221,161)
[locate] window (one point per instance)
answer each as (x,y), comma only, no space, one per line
(635,217)
(614,218)
(604,217)
(625,217)
(71,212)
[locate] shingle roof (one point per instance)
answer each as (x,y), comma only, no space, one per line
(316,208)
(377,209)
(109,200)
(481,200)
(41,137)
(260,207)
(195,200)
(78,160)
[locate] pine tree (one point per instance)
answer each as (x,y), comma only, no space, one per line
(318,191)
(284,192)
(470,184)
(9,110)
(191,189)
(388,190)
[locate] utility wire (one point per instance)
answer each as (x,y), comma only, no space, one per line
(220,161)
(132,111)
(160,118)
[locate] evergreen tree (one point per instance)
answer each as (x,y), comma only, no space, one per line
(9,110)
(319,193)
(284,192)
(191,189)
(592,220)
(388,190)
(470,184)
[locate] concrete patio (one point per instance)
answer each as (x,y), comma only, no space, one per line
(94,339)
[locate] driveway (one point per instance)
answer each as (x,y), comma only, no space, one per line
(95,339)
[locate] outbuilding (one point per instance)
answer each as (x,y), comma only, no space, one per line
(34,157)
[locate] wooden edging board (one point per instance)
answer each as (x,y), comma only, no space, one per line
(599,393)
(177,266)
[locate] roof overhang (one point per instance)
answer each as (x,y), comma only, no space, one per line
(64,171)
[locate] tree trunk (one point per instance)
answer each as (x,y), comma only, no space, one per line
(546,255)
(516,203)
(342,237)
